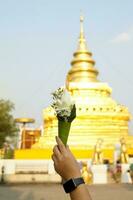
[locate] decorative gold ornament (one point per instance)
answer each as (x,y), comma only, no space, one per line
(124,154)
(98,154)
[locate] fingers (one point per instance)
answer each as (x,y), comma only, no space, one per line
(54,159)
(61,146)
(56,151)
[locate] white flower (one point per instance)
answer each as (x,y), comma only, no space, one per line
(63,102)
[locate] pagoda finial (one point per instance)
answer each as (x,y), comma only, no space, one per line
(82,41)
(81,25)
(82,69)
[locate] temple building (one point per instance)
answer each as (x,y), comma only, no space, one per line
(98,115)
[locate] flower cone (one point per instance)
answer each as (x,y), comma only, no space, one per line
(63,130)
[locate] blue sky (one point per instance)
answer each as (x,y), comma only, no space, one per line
(38,38)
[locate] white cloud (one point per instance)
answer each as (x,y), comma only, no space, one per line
(122,38)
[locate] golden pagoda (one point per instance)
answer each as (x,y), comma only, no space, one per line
(98,115)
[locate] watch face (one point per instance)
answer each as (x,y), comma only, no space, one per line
(69,186)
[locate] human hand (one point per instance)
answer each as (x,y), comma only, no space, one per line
(64,162)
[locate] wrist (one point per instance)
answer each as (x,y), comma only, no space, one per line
(72,176)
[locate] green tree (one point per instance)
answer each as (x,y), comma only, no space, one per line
(7,123)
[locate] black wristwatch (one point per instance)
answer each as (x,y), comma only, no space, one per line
(72,184)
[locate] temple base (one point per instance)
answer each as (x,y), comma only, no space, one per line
(81,153)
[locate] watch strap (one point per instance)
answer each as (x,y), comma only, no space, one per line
(72,184)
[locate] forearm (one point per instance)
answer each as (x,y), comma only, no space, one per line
(80,193)
(68,168)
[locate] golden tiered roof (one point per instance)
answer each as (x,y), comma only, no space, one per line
(82,64)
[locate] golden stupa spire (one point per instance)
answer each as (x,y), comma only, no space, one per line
(82,42)
(81,27)
(82,64)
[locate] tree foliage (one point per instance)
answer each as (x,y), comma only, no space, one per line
(7,123)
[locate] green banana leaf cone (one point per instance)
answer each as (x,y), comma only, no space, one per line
(63,130)
(64,125)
